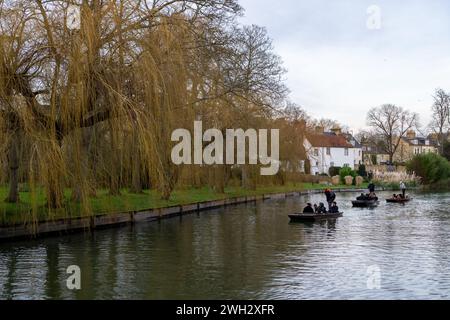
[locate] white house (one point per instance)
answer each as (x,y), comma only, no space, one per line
(331,149)
(357,149)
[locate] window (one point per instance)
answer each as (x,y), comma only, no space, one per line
(328,151)
(346,152)
(331,164)
(316,152)
(346,165)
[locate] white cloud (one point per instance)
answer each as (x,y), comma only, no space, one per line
(339,69)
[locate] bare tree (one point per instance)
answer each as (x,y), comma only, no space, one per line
(440,116)
(325,124)
(392,123)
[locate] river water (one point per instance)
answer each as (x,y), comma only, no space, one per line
(247,252)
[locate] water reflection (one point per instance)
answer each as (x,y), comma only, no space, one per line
(246,252)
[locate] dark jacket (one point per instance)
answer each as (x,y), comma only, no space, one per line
(308,209)
(334,209)
(362,197)
(371,187)
(331,196)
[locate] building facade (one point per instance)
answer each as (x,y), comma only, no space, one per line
(331,149)
(373,156)
(413,145)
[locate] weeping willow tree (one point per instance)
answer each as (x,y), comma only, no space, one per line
(79,96)
(93,107)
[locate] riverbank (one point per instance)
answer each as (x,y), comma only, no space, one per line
(130,208)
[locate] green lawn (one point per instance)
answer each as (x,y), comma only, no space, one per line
(105,203)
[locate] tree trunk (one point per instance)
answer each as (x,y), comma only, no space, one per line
(441,142)
(244,181)
(136,182)
(166,191)
(248,177)
(168,181)
(114,186)
(83,177)
(55,196)
(219,179)
(13,163)
(114,174)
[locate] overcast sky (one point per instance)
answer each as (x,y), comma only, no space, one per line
(339,68)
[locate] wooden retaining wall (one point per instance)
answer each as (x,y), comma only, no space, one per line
(64,226)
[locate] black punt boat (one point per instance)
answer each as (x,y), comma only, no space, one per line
(400,200)
(365,203)
(311,217)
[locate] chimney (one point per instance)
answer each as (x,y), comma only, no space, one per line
(320,130)
(337,131)
(411,134)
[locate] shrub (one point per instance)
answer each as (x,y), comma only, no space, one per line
(446,149)
(334,171)
(440,186)
(346,171)
(391,180)
(307,167)
(430,167)
(362,171)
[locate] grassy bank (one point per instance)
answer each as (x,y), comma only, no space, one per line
(439,186)
(106,203)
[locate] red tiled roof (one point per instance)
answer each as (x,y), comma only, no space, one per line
(324,140)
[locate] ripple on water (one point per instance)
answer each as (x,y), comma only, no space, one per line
(248,252)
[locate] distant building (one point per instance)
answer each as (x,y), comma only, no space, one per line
(373,156)
(413,145)
(331,149)
(358,149)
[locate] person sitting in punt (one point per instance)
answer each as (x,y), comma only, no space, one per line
(394,196)
(361,197)
(334,208)
(372,196)
(308,209)
(321,208)
(316,208)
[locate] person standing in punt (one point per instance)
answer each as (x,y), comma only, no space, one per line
(331,196)
(371,188)
(403,188)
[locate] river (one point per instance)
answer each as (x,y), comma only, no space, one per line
(247,252)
